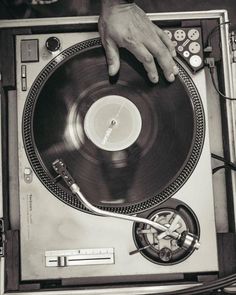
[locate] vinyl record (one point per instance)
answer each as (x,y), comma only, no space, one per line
(129,144)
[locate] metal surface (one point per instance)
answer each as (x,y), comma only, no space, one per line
(116,291)
(108,233)
(14,200)
(218,14)
(229,91)
(212,14)
(126,181)
(60,168)
(158,246)
(64,258)
(76,190)
(166,230)
(232,110)
(230,289)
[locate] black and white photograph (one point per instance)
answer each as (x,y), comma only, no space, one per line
(118,147)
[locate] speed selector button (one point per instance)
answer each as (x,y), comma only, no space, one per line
(53,44)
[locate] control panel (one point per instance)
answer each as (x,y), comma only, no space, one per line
(188,44)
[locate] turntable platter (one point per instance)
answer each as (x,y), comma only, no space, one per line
(129,144)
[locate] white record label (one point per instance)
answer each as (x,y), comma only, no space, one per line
(113,123)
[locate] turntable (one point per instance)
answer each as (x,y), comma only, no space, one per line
(129,145)
(114,174)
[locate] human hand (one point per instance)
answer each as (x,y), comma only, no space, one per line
(126,25)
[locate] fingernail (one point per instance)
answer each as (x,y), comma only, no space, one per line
(174,43)
(173,53)
(111,70)
(154,79)
(176,70)
(171,77)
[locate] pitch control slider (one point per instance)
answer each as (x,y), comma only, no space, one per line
(64,258)
(185,240)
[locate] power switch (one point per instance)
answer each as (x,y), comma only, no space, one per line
(29,50)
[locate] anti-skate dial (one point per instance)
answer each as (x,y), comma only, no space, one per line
(158,246)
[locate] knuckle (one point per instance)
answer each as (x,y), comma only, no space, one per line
(147,58)
(159,49)
(170,45)
(110,60)
(167,67)
(161,54)
(160,33)
(168,70)
(129,40)
(159,30)
(162,48)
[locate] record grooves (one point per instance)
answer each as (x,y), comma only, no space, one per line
(150,168)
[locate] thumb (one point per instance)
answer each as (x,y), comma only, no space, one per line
(112,55)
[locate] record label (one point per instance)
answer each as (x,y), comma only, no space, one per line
(113,123)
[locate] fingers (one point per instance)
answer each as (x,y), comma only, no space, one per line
(145,54)
(111,50)
(146,58)
(164,58)
(112,56)
(166,40)
(129,27)
(145,47)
